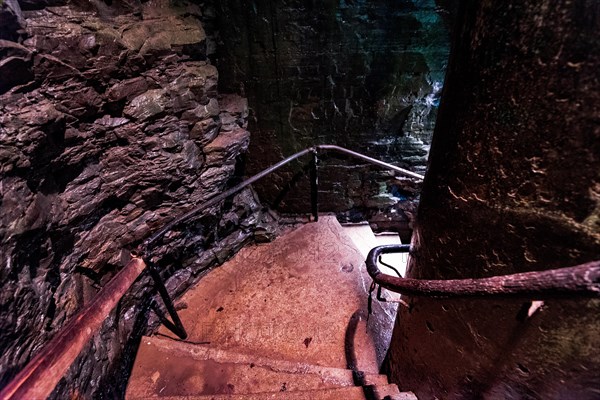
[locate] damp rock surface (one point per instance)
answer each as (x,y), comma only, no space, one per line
(513,186)
(111,125)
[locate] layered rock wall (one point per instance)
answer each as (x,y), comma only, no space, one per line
(111,125)
(513,186)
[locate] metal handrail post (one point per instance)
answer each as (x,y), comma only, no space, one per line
(177,326)
(314,185)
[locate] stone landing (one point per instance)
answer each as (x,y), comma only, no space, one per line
(283,317)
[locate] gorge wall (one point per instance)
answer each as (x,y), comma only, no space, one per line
(111,125)
(359,74)
(513,185)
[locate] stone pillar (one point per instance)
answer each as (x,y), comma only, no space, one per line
(513,186)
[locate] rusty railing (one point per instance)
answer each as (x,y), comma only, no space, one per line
(581,281)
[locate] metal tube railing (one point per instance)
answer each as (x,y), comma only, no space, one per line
(217,199)
(370,160)
(581,281)
(43,372)
(153,239)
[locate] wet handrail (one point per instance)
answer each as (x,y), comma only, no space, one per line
(41,375)
(368,159)
(220,197)
(581,281)
(153,239)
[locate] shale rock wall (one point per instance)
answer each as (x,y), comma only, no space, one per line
(513,186)
(363,75)
(111,125)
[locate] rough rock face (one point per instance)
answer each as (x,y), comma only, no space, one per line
(111,125)
(513,186)
(364,75)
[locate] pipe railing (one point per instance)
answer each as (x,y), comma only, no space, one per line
(153,239)
(41,375)
(581,280)
(369,160)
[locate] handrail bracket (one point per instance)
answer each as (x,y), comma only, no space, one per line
(176,326)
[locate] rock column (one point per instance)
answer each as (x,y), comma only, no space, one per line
(513,185)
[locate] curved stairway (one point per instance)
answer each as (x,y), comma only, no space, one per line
(283,320)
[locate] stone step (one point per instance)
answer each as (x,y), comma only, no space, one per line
(166,367)
(364,239)
(387,392)
(362,236)
(293,299)
(397,260)
(281,318)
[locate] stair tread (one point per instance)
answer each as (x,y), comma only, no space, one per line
(169,367)
(362,236)
(294,308)
(347,393)
(291,299)
(364,239)
(397,260)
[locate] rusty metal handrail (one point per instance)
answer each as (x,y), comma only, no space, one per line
(41,375)
(581,280)
(368,159)
(153,239)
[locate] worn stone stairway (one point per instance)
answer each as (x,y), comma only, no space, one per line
(285,320)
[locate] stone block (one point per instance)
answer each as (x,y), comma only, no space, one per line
(127,89)
(202,111)
(227,146)
(147,105)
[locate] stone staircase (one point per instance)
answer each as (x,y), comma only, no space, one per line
(285,320)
